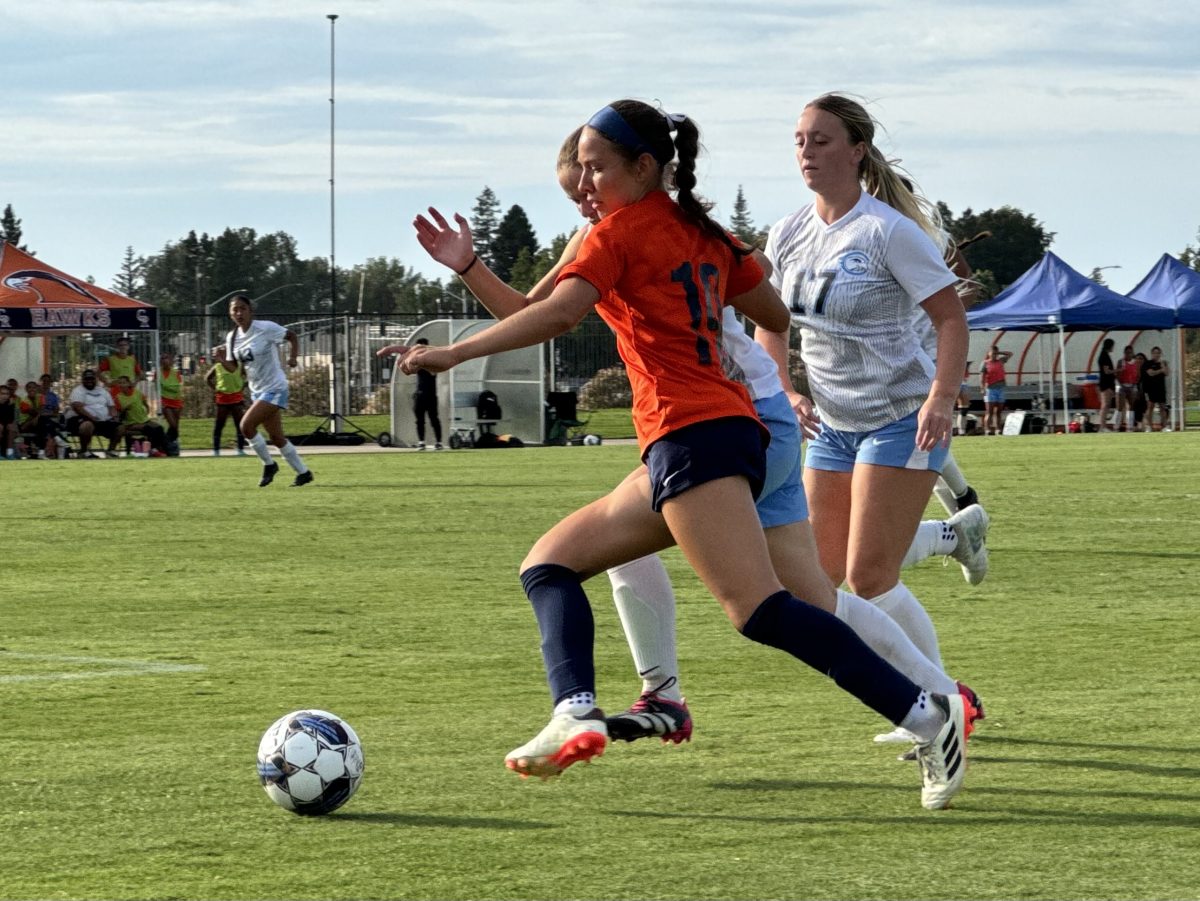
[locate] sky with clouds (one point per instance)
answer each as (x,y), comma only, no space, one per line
(131,122)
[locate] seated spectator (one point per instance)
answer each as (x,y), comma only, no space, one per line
(135,418)
(120,363)
(9,414)
(51,426)
(92,412)
(30,415)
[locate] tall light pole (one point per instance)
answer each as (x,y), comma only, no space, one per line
(335,410)
(1096,277)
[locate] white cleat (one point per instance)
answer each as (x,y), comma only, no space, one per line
(943,760)
(567,739)
(970,525)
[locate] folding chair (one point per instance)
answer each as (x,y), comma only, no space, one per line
(562,423)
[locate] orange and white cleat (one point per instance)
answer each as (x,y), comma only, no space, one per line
(566,740)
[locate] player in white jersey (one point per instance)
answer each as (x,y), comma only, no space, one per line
(255,344)
(855,270)
(968,520)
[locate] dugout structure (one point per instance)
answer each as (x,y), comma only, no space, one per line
(39,302)
(517,377)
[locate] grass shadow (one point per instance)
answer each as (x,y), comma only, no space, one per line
(1084,793)
(436,821)
(984,739)
(1003,816)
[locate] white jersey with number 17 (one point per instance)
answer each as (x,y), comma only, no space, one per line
(854,287)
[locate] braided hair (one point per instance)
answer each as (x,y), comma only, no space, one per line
(651,133)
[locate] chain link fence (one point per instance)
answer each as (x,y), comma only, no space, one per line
(573,359)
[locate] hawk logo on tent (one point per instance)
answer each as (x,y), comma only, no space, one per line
(22,280)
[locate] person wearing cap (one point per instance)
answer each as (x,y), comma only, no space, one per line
(93,411)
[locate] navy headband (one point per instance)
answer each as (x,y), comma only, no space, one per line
(613,126)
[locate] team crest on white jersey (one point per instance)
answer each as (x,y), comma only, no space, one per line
(854,262)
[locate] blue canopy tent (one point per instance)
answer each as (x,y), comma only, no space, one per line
(1176,287)
(1172,285)
(1053,297)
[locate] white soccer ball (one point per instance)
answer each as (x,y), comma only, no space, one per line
(591,439)
(310,762)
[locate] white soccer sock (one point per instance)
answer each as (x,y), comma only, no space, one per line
(259,443)
(577,704)
(945,495)
(953,477)
(925,719)
(901,605)
(293,457)
(934,537)
(888,640)
(645,603)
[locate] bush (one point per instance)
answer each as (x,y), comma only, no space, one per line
(607,388)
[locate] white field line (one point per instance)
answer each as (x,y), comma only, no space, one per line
(114,667)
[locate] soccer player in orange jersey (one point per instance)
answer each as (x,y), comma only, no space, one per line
(700,439)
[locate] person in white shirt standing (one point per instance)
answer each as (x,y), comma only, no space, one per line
(855,266)
(254,343)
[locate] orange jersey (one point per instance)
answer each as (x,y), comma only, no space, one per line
(663,283)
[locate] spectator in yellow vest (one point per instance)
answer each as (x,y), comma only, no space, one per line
(170,390)
(228,381)
(117,364)
(135,419)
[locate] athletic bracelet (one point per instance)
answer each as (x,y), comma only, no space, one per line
(474,260)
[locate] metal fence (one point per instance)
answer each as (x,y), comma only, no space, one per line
(571,360)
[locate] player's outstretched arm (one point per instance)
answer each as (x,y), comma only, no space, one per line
(455,249)
(559,313)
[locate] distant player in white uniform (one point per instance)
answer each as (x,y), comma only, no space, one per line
(855,271)
(967,516)
(255,344)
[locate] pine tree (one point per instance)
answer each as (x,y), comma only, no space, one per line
(740,224)
(129,277)
(512,236)
(10,229)
(485,219)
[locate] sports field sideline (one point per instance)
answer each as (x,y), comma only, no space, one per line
(157,616)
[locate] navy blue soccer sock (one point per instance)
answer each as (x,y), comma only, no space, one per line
(831,647)
(568,631)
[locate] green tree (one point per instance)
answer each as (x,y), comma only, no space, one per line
(10,229)
(530,267)
(740,223)
(513,235)
(386,286)
(129,276)
(485,219)
(1016,243)
(1190,256)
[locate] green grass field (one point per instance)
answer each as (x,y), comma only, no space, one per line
(158,615)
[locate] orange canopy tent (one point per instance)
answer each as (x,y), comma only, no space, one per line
(37,300)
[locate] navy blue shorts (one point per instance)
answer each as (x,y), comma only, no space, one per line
(704,452)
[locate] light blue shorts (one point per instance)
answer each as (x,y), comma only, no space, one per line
(892,445)
(278,397)
(782,500)
(995,395)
